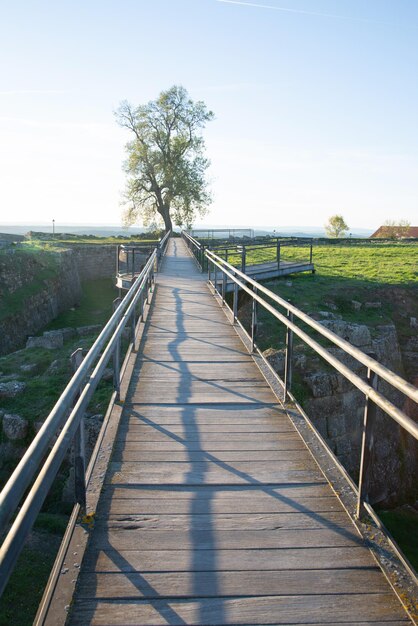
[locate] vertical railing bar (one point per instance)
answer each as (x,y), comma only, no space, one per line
(370,410)
(79,449)
(253,321)
(289,354)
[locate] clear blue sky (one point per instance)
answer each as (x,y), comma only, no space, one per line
(316,105)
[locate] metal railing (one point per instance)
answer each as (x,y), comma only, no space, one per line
(63,423)
(256,252)
(219,271)
(131,258)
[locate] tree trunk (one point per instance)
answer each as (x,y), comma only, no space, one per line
(165,214)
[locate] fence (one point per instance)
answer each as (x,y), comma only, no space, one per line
(220,271)
(64,423)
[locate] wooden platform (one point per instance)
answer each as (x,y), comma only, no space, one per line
(214,511)
(265,271)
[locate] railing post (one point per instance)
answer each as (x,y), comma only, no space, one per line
(215,271)
(310,256)
(235,303)
(367,446)
(278,254)
(79,445)
(253,321)
(133,262)
(116,358)
(133,324)
(289,355)
(223,288)
(243,255)
(209,270)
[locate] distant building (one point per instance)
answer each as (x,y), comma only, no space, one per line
(407,233)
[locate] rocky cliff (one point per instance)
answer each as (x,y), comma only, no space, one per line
(336,408)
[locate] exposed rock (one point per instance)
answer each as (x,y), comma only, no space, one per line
(276,358)
(322,384)
(28,367)
(386,347)
(331,305)
(11,388)
(372,305)
(413,322)
(83,331)
(14,427)
(92,426)
(50,340)
(55,367)
(356,305)
(10,451)
(108,374)
(357,334)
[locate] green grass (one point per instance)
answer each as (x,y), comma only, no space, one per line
(95,306)
(403,526)
(386,273)
(24,591)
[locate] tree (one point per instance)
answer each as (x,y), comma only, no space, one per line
(394,230)
(166,164)
(336,226)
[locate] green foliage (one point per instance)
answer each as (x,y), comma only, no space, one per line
(166,164)
(403,526)
(95,306)
(336,226)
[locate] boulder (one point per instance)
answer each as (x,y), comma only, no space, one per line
(12,388)
(356,305)
(372,305)
(14,427)
(51,340)
(357,334)
(83,331)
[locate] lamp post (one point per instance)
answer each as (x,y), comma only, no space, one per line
(53,229)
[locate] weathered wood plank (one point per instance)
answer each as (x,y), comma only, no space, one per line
(212,465)
(108,559)
(137,538)
(235,583)
(235,521)
(288,441)
(120,453)
(113,505)
(216,477)
(260,610)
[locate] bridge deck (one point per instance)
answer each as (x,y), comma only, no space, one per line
(214,511)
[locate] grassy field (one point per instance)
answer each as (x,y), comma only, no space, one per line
(385,273)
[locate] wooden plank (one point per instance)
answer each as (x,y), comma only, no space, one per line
(113,505)
(210,464)
(253,493)
(327,558)
(207,440)
(120,453)
(235,583)
(281,441)
(229,412)
(137,538)
(216,477)
(201,429)
(116,520)
(260,610)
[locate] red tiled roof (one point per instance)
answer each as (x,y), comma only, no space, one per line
(412,232)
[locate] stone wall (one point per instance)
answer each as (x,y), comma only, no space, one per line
(336,408)
(93,260)
(43,299)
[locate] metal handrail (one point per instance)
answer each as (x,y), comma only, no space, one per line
(75,397)
(373,398)
(391,377)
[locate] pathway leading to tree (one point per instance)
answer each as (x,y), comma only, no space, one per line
(214,511)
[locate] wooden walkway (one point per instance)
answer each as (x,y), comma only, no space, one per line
(214,511)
